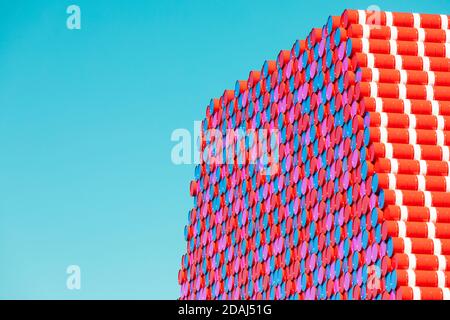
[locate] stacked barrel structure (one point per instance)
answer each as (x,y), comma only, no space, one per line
(359,207)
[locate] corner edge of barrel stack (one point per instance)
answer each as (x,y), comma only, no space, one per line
(359,206)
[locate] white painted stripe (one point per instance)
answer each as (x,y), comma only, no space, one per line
(447,184)
(378,104)
(407,106)
(447,50)
(373,89)
(365,45)
(393,48)
(433,214)
(412,121)
(411,278)
(389,18)
(407,245)
(440,138)
(398,197)
(431,78)
(416,18)
(421,185)
(375,75)
(412,261)
(392,181)
(361,17)
(428,199)
(442,263)
(420,34)
(370,60)
(447,36)
(440,122)
(434,108)
(388,150)
(383,135)
(401,225)
(422,167)
(383,119)
(394,33)
(441,279)
(416,293)
(446,293)
(426,63)
(366,31)
(403,76)
(444,21)
(417,152)
(431,230)
(394,166)
(420,49)
(412,135)
(445,153)
(437,247)
(403,213)
(401,91)
(398,62)
(430,93)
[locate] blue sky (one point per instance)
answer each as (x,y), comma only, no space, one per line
(86,117)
